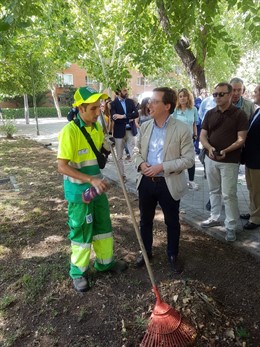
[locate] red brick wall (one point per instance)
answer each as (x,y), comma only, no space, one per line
(79,75)
(134,89)
(8,104)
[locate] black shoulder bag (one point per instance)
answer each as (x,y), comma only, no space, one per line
(101,157)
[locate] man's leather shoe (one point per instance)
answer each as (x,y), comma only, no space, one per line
(245,216)
(175,265)
(251,226)
(140,259)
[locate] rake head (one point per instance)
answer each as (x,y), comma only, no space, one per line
(167,329)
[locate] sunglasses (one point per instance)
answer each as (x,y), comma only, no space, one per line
(219,94)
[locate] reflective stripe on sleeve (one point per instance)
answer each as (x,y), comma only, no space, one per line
(84,163)
(74,180)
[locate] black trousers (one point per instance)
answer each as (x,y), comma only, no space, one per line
(150,193)
(191,173)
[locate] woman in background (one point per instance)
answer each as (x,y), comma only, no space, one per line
(144,113)
(186,112)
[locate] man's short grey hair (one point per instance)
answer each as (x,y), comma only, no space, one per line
(236,80)
(224,84)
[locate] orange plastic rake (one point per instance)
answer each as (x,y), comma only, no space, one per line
(166,327)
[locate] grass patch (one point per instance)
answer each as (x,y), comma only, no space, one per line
(11,339)
(35,283)
(6,301)
(242,333)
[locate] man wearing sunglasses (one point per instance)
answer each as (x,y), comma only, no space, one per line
(223,133)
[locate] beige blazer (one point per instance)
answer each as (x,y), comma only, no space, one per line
(178,154)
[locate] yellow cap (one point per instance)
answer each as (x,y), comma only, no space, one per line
(87,95)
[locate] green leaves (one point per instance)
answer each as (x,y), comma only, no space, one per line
(110,38)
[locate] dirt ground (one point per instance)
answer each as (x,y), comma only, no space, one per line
(217,294)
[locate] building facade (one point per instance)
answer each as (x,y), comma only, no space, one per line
(73,77)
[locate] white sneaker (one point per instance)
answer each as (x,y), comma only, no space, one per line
(209,223)
(231,235)
(192,185)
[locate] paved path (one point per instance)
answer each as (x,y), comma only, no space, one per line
(193,209)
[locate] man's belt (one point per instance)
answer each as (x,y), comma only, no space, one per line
(156,178)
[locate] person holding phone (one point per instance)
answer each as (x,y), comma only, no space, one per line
(223,133)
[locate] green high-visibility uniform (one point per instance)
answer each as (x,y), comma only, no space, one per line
(90,224)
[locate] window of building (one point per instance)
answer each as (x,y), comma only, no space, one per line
(68,79)
(140,81)
(64,79)
(90,80)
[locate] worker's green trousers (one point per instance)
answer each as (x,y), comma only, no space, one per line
(90,224)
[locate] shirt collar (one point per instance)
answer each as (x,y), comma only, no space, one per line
(227,110)
(83,124)
(121,99)
(239,103)
(164,124)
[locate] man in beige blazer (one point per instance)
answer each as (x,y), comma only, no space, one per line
(164,151)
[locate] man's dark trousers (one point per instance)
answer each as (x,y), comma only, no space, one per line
(152,191)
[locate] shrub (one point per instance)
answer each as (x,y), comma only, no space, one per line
(43,112)
(8,129)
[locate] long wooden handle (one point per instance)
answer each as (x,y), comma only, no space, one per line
(137,231)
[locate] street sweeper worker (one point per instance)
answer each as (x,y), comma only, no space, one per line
(89,223)
(164,151)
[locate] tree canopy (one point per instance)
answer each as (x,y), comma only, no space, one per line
(205,40)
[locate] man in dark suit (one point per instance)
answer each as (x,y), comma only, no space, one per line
(123,112)
(251,158)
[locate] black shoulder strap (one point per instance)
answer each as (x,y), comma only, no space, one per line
(87,136)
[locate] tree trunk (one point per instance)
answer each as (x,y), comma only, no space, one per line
(194,70)
(26,109)
(36,114)
(55,100)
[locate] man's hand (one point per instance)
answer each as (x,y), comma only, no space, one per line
(221,156)
(214,154)
(118,116)
(108,141)
(151,170)
(211,152)
(101,185)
